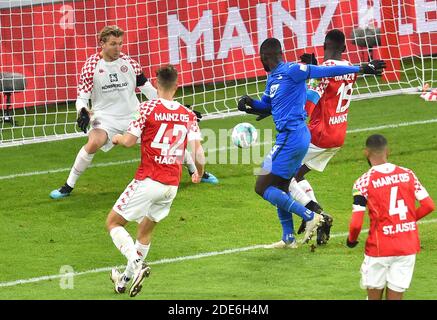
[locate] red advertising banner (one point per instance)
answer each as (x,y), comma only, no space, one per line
(208,41)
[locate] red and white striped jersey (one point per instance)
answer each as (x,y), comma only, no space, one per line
(391,193)
(328,115)
(164,127)
(110,85)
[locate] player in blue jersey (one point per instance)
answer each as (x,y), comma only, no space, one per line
(284,98)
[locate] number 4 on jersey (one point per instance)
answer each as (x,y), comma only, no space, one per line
(397,206)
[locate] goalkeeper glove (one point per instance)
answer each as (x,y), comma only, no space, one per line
(351,244)
(197,113)
(308,58)
(83,119)
(373,67)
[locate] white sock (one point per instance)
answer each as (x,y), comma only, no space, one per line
(123,241)
(189,162)
(129,271)
(306,187)
(142,251)
(298,193)
(83,160)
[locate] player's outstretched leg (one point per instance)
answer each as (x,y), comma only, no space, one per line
(83,160)
(96,139)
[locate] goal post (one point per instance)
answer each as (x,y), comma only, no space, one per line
(213,44)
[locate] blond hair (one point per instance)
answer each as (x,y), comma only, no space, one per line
(108,31)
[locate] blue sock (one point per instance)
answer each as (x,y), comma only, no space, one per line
(284,201)
(286,220)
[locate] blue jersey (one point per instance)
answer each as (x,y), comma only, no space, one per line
(286,90)
(285,93)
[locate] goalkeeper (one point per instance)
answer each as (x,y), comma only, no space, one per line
(284,98)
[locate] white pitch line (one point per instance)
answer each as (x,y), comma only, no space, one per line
(165,260)
(97,165)
(116,163)
(393,126)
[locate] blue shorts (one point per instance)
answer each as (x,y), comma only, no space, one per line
(285,158)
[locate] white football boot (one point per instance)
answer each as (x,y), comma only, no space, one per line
(311,227)
(118,280)
(282,245)
(141,272)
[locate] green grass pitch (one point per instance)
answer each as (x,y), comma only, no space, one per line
(39,235)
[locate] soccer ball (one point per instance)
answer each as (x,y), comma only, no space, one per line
(244,135)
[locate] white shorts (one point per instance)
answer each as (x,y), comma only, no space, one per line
(317,158)
(394,272)
(145,198)
(112,125)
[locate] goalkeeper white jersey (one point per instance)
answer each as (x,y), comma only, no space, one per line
(110,85)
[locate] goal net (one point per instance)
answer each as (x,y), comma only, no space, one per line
(214,45)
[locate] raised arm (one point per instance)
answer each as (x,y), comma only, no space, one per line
(300,72)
